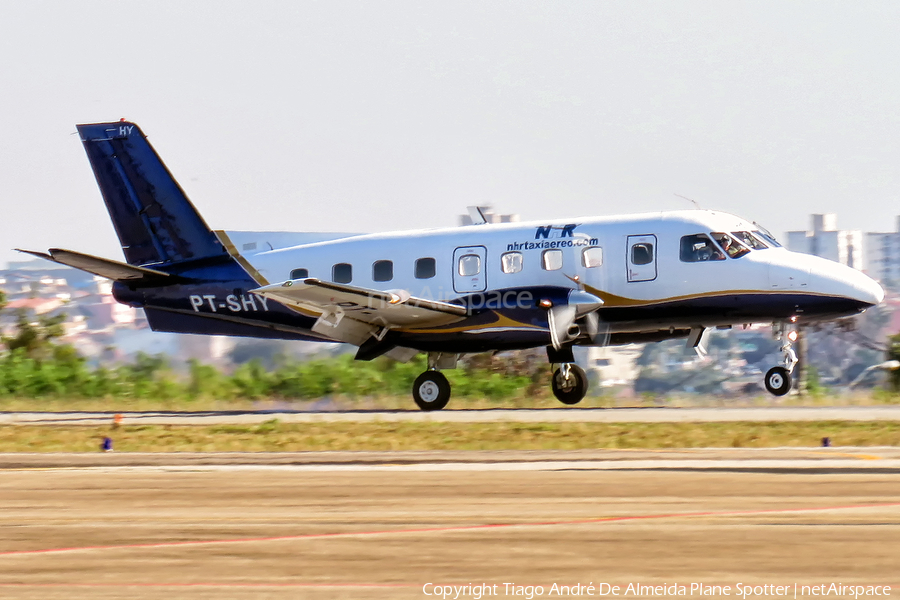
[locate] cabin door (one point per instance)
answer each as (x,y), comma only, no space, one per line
(469,269)
(641,258)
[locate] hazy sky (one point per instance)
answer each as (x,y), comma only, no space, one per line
(371,116)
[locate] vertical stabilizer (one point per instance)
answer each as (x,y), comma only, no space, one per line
(155,221)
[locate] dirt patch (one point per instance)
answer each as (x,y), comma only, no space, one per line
(420,527)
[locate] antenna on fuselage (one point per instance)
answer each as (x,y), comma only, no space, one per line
(476,213)
(695,203)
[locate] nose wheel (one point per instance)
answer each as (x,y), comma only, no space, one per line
(431,391)
(569,383)
(778,379)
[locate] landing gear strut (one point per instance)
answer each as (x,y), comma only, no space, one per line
(778,379)
(569,383)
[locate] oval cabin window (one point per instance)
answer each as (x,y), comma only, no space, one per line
(342,273)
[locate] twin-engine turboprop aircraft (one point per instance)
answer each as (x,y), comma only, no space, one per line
(447,292)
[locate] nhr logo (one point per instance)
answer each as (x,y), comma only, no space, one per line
(555,231)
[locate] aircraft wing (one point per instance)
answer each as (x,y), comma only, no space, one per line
(382,309)
(104,267)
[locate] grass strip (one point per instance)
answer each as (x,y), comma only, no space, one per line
(405,402)
(273,436)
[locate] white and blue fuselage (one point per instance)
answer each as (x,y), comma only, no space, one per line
(447,292)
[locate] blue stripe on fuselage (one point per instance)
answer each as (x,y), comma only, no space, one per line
(500,319)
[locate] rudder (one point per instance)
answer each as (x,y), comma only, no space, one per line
(155,221)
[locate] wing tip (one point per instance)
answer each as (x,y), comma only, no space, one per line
(34,253)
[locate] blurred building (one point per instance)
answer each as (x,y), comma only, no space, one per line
(489,216)
(883,256)
(613,365)
(827,241)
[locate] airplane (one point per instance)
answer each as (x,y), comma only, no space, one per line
(453,291)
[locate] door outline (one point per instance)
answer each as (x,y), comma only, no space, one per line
(476,283)
(640,273)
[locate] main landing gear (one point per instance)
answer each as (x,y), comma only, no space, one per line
(778,379)
(569,382)
(431,390)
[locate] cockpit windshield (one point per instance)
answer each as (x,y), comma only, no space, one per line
(731,246)
(749,240)
(766,236)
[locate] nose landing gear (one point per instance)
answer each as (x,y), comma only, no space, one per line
(778,379)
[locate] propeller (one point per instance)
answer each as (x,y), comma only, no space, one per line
(597,329)
(561,320)
(566,321)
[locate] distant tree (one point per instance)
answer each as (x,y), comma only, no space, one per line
(271,353)
(893,353)
(35,336)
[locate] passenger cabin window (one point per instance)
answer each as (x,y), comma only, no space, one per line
(511,262)
(552,260)
(382,270)
(425,268)
(642,254)
(299,273)
(749,240)
(342,273)
(469,265)
(731,246)
(592,257)
(699,248)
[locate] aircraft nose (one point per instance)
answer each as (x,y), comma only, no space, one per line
(872,293)
(857,286)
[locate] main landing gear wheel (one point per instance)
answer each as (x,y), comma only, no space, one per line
(431,390)
(778,381)
(569,384)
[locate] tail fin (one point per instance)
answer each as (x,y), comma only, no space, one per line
(155,221)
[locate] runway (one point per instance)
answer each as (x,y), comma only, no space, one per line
(544,415)
(383,525)
(845,459)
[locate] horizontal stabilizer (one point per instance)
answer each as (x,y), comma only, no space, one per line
(104,267)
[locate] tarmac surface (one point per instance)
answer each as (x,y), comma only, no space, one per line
(544,415)
(383,525)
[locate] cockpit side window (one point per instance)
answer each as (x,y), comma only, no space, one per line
(699,248)
(749,240)
(731,246)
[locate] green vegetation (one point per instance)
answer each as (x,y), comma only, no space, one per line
(61,374)
(291,437)
(893,353)
(33,365)
(37,372)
